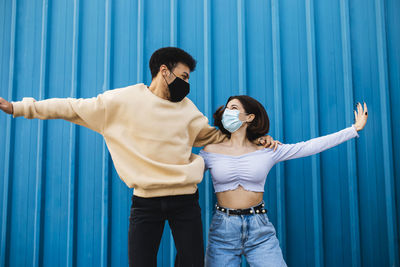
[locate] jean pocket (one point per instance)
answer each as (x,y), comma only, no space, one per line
(216,221)
(263,218)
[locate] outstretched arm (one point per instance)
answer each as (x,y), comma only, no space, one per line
(319,144)
(86,112)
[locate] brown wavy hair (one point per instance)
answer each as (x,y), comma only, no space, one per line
(255,129)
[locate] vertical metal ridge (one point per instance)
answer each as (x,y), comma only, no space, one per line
(278,110)
(315,160)
(241,47)
(173,23)
(173,43)
(40,143)
(350,145)
(207,99)
(7,183)
(72,144)
(105,174)
(140,40)
(386,134)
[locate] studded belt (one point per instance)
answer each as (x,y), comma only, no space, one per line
(253,210)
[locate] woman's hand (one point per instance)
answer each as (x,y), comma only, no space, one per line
(360,116)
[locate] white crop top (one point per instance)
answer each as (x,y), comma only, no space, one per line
(250,170)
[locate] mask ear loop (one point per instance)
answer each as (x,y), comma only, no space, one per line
(166,79)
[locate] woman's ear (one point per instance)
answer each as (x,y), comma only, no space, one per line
(250,118)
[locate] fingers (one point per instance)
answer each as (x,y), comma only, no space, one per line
(6,106)
(360,116)
(261,141)
(269,141)
(270,145)
(276,145)
(365,109)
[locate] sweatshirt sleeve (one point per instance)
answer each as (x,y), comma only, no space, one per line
(313,146)
(88,112)
(208,135)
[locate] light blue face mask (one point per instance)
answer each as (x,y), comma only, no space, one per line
(231,121)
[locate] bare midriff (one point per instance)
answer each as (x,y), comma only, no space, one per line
(239,198)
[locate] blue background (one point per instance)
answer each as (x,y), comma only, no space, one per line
(307,61)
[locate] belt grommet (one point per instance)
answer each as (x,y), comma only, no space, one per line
(222,209)
(263,204)
(257,211)
(263,211)
(251,211)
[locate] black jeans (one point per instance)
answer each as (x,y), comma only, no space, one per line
(146,224)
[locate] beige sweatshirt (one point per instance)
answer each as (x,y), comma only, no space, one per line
(150,139)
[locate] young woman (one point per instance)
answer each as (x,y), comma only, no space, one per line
(239,168)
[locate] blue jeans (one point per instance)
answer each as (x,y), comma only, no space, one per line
(252,235)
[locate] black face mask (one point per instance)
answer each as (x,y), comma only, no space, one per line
(178,89)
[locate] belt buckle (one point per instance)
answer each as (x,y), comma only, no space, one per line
(239,211)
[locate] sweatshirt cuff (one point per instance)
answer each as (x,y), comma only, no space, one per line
(19,106)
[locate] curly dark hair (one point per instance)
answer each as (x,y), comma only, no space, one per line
(255,129)
(170,57)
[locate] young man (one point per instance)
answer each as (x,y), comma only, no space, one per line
(150,132)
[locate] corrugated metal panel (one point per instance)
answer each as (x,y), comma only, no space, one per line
(307,61)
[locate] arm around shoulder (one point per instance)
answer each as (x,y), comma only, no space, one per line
(208,134)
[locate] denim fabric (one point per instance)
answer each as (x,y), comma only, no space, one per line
(253,236)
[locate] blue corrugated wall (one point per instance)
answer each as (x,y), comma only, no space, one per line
(307,61)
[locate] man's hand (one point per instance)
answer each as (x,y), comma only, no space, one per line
(268,142)
(6,106)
